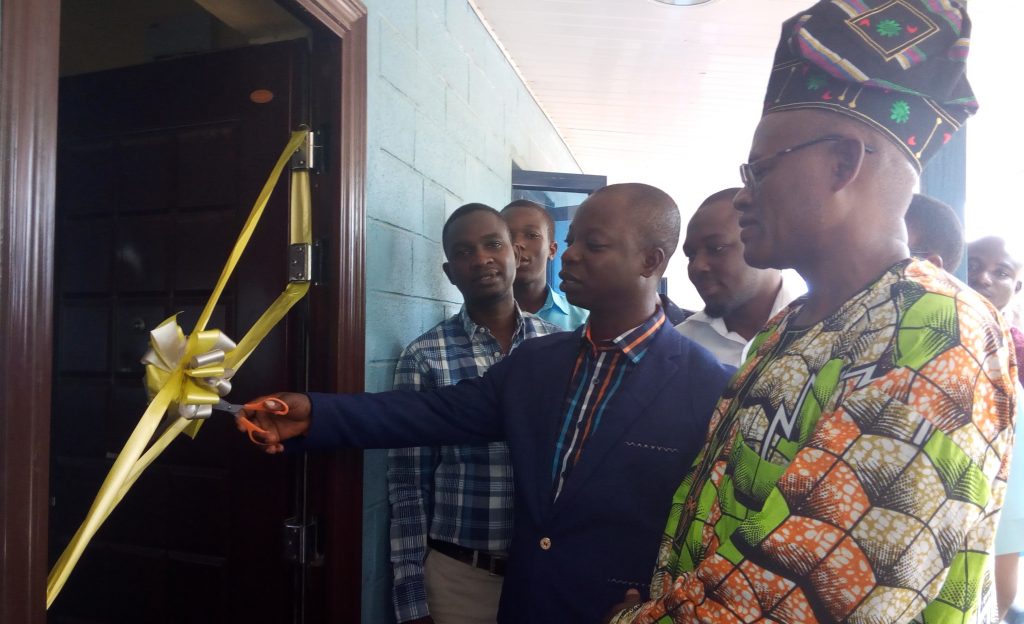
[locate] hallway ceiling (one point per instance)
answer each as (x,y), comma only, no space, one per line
(647,92)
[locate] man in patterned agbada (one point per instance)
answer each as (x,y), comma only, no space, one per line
(856,465)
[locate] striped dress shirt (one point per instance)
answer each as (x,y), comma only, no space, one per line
(600,369)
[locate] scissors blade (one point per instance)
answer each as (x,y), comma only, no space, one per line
(224,406)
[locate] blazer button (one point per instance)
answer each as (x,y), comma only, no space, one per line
(545,543)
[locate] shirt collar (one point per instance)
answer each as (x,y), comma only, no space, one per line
(555,300)
(788,291)
(470,327)
(632,343)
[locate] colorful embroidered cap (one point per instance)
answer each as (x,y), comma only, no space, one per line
(896,65)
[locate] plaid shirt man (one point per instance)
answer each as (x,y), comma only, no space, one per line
(461,494)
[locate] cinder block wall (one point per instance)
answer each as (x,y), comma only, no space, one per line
(447,118)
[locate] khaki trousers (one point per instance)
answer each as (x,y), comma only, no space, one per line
(458,593)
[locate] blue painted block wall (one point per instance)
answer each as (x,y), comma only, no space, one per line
(447,116)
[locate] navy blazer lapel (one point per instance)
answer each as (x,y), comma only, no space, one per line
(639,390)
(549,381)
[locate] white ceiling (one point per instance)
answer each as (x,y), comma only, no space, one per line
(647,92)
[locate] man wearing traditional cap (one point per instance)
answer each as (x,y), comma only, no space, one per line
(856,464)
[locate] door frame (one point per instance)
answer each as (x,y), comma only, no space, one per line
(29,63)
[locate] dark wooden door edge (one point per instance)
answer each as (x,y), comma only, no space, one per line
(340,16)
(29,32)
(342,212)
(337,321)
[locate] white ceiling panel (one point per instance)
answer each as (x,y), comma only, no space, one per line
(647,92)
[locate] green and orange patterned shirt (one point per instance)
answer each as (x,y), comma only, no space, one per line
(854,469)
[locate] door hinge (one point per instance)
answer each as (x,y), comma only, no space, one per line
(301,542)
(309,155)
(300,262)
(306,262)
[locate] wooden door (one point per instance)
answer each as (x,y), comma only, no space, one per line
(158,166)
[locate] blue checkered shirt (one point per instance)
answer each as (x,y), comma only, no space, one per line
(465,491)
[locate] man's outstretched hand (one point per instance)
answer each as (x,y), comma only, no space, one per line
(278,428)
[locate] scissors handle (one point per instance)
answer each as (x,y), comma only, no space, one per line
(262,406)
(252,428)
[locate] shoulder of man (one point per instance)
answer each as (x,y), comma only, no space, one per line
(537,326)
(673,340)
(552,337)
(449,331)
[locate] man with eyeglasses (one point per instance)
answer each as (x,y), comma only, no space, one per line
(856,464)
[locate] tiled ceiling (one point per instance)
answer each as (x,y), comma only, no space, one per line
(647,92)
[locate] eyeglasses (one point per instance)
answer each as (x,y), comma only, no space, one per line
(751,172)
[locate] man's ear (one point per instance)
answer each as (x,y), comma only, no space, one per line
(1016,289)
(448,273)
(552,250)
(936,259)
(849,156)
(519,255)
(653,259)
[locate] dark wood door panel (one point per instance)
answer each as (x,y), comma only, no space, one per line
(158,168)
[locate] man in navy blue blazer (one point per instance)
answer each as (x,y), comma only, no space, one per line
(601,422)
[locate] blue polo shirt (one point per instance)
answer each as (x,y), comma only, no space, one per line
(558,311)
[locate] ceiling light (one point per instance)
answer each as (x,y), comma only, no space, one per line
(683,2)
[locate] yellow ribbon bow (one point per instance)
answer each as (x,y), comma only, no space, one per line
(206,377)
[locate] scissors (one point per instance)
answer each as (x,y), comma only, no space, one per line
(262,406)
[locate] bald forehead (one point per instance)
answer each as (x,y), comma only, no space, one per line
(635,193)
(643,211)
(777,131)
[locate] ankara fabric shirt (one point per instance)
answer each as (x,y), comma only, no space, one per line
(853,470)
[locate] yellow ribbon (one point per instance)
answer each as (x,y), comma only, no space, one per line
(184,374)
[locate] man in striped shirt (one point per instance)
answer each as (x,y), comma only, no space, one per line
(458,499)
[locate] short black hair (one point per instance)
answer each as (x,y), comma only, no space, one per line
(525,203)
(714,198)
(938,229)
(460,212)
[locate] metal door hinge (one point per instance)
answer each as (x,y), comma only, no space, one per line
(305,262)
(308,155)
(301,542)
(300,262)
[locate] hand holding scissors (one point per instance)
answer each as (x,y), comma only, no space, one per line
(274,418)
(270,405)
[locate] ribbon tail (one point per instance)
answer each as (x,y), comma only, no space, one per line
(250,226)
(259,330)
(153,452)
(110,492)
